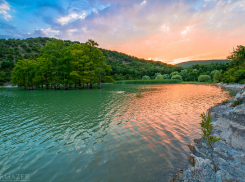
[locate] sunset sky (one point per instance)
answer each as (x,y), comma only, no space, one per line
(168,30)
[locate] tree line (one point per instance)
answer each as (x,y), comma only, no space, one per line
(58,64)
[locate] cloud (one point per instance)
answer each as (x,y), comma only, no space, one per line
(171,31)
(65,19)
(4,7)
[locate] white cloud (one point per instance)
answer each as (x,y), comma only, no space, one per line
(64,20)
(144,2)
(4,7)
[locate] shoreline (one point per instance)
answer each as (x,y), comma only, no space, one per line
(229,153)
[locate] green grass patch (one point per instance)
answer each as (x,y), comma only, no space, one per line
(236,103)
(148,81)
(225,102)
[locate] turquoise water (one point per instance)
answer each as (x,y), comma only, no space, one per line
(118,133)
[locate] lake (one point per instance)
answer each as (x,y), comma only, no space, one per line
(118,133)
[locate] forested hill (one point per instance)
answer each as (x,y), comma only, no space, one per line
(123,66)
(201,62)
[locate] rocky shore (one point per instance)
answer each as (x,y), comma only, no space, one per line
(228,161)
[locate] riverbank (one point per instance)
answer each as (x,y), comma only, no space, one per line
(229,154)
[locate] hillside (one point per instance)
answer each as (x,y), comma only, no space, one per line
(123,66)
(200,62)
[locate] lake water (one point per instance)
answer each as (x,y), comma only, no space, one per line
(118,133)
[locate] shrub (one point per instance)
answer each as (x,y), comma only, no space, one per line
(204,78)
(145,77)
(174,73)
(178,77)
(236,103)
(217,76)
(225,102)
(166,76)
(207,128)
(159,77)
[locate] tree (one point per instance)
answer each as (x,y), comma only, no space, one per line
(207,128)
(80,63)
(159,77)
(24,73)
(184,74)
(145,77)
(53,51)
(204,78)
(93,57)
(178,77)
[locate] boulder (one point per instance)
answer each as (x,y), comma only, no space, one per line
(191,159)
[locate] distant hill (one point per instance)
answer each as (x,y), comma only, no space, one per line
(201,62)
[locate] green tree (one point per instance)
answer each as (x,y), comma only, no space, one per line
(53,51)
(24,73)
(184,74)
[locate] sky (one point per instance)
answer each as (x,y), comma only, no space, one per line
(171,31)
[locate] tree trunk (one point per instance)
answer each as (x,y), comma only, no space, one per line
(83,86)
(47,86)
(90,85)
(70,86)
(80,86)
(66,87)
(100,81)
(87,85)
(58,87)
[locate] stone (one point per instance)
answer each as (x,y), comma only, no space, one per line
(192,148)
(191,159)
(197,141)
(213,114)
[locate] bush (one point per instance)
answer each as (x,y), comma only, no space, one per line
(236,103)
(177,77)
(217,76)
(159,77)
(166,76)
(204,78)
(145,77)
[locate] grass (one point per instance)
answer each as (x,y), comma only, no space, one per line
(225,102)
(148,81)
(236,103)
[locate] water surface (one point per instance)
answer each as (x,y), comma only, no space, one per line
(119,133)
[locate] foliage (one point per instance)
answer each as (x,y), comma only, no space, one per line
(178,77)
(236,71)
(184,74)
(203,63)
(217,76)
(225,102)
(2,76)
(207,128)
(165,81)
(236,102)
(145,77)
(166,76)
(204,78)
(75,64)
(159,77)
(123,67)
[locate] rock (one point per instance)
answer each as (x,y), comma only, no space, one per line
(213,114)
(179,176)
(197,141)
(240,158)
(192,148)
(238,96)
(191,159)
